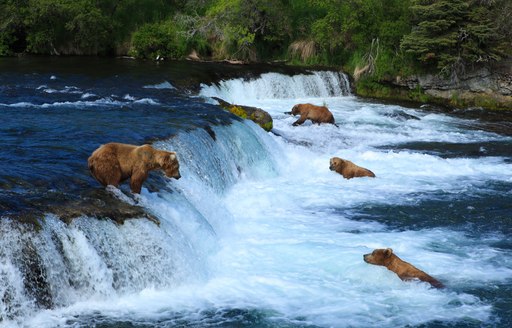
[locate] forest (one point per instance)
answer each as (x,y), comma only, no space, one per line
(376,38)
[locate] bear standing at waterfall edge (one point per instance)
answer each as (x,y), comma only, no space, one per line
(404,270)
(317,114)
(114,163)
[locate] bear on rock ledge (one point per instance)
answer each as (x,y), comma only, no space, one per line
(114,163)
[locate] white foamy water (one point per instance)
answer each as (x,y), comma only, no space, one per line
(259,222)
(66,89)
(112,101)
(278,86)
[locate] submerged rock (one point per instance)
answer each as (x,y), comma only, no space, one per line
(257,115)
(35,281)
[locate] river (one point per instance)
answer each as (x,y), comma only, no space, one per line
(258,232)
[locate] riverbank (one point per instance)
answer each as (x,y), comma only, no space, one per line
(488,88)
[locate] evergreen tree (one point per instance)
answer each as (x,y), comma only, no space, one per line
(452,35)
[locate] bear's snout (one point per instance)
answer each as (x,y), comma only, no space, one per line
(172,174)
(366,257)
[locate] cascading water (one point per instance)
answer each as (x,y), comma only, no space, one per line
(259,232)
(318,84)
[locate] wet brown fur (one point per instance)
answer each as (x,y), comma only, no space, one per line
(404,270)
(317,114)
(114,163)
(348,169)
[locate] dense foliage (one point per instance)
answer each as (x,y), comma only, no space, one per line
(369,37)
(455,34)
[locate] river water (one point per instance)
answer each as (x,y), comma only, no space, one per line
(258,232)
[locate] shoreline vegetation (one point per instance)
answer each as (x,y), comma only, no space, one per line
(456,53)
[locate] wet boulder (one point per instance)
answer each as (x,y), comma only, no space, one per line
(257,115)
(98,203)
(101,204)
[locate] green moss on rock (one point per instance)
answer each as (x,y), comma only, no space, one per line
(257,115)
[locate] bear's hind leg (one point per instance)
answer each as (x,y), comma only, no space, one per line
(106,170)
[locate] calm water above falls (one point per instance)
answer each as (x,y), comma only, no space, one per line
(258,232)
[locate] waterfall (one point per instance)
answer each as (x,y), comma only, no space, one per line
(92,259)
(318,84)
(259,231)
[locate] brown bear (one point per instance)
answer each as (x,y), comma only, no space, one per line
(114,163)
(317,114)
(404,270)
(348,169)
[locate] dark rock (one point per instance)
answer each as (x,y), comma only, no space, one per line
(35,280)
(97,203)
(210,132)
(401,115)
(488,87)
(100,204)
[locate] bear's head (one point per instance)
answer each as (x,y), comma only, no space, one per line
(379,256)
(296,109)
(336,164)
(170,165)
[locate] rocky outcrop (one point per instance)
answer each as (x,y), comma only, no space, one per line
(488,88)
(98,203)
(257,115)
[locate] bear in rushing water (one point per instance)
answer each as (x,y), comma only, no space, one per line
(114,163)
(348,169)
(317,114)
(404,270)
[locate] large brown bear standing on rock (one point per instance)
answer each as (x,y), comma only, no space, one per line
(317,114)
(404,270)
(114,163)
(348,169)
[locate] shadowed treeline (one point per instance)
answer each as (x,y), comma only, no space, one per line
(372,37)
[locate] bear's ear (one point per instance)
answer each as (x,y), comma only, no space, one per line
(172,156)
(388,252)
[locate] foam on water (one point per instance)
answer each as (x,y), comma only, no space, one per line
(74,97)
(306,258)
(258,222)
(66,89)
(102,102)
(278,86)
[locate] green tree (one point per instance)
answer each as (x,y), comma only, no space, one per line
(502,13)
(167,39)
(247,29)
(12,28)
(452,35)
(342,29)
